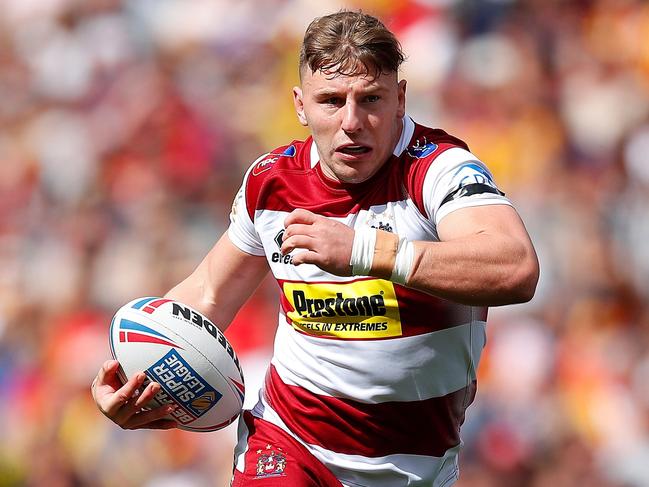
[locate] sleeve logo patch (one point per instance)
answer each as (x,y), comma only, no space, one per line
(365,309)
(267,162)
(264,165)
(472,173)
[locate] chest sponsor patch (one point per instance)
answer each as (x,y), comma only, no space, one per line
(366,309)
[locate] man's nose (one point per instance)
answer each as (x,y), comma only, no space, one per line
(352,117)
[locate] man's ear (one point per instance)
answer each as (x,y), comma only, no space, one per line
(401,111)
(299,105)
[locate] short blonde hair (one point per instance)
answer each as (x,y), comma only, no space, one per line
(350,43)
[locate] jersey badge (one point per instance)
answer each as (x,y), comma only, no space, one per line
(289,151)
(471,179)
(271,462)
(421,150)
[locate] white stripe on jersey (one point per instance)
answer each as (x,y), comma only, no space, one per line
(364,371)
(412,470)
(443,177)
(241,231)
(241,447)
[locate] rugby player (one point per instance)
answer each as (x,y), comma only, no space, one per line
(388,240)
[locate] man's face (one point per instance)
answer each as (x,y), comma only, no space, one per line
(355,120)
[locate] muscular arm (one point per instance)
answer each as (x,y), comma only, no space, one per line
(222,282)
(485,256)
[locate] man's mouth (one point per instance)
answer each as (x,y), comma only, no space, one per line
(353,150)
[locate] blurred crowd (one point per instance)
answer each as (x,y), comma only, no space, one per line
(126,127)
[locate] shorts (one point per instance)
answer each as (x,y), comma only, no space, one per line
(275,459)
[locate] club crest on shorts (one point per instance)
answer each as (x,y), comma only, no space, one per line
(270,462)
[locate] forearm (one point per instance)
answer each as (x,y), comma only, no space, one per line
(480,270)
(222,283)
(196,292)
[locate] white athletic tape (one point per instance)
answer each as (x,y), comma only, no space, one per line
(363,251)
(403,261)
(381,254)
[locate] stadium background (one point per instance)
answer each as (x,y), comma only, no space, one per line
(125,128)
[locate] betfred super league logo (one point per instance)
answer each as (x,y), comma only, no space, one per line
(270,463)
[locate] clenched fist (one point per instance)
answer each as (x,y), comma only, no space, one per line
(326,243)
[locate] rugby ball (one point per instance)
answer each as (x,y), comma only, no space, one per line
(182,350)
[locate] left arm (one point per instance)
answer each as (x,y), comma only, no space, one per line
(485,256)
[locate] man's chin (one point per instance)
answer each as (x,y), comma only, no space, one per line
(356,177)
(349,174)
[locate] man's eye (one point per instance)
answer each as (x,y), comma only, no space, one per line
(332,101)
(372,98)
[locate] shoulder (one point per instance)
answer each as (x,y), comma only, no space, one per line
(292,158)
(427,146)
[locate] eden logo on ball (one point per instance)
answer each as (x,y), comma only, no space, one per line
(184,386)
(189,315)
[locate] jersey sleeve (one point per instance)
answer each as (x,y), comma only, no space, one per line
(458,179)
(242,232)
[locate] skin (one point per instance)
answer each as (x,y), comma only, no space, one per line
(343,111)
(485,256)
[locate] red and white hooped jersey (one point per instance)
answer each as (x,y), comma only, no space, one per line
(371,376)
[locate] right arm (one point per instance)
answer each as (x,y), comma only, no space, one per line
(219,286)
(222,282)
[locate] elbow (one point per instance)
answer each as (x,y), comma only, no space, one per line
(524,278)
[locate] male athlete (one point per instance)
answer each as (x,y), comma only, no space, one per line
(388,240)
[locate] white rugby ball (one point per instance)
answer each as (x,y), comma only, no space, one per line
(182,350)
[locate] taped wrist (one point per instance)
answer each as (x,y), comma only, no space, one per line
(381,254)
(363,251)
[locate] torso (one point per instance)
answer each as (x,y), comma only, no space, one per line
(373,377)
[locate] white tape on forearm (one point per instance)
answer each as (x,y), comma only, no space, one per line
(403,261)
(363,251)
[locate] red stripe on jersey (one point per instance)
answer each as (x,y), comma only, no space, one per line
(424,313)
(282,189)
(290,182)
(271,164)
(428,427)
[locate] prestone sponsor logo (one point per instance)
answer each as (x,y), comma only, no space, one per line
(366,309)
